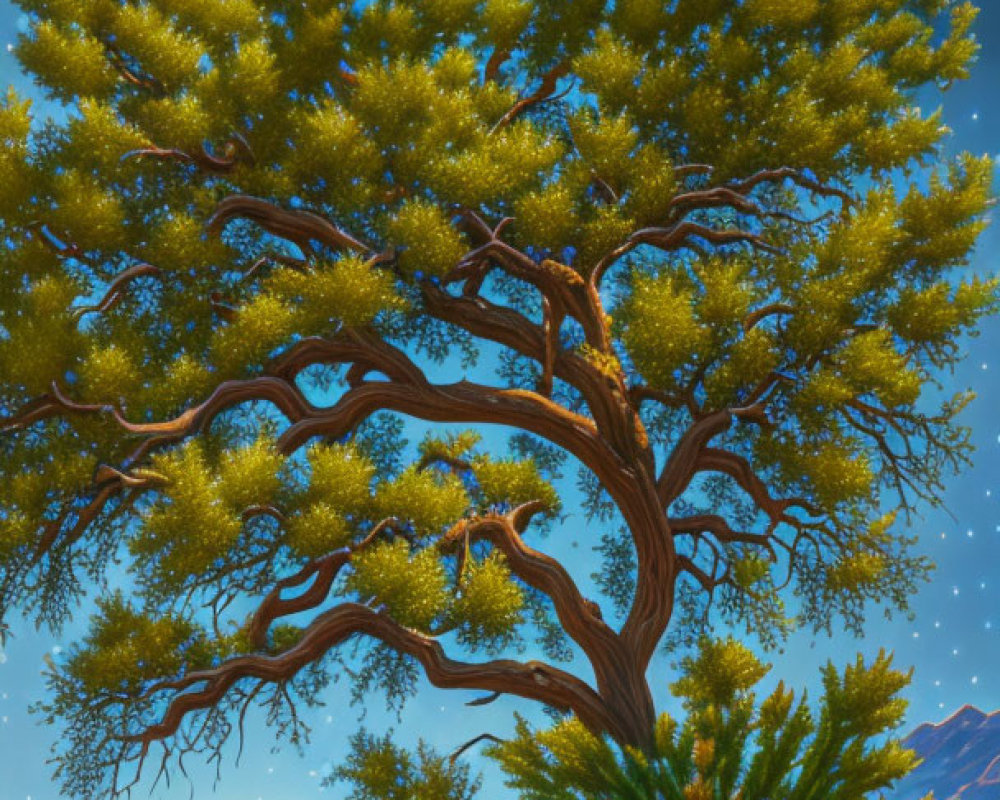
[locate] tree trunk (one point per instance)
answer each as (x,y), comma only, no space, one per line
(630,703)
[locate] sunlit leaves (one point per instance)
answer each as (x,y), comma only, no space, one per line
(489,605)
(125,646)
(42,342)
(347,291)
(427,240)
(261,326)
(504,20)
(340,476)
(428,499)
(317,530)
(717,673)
(513,482)
(250,475)
(377,769)
(90,215)
(411,587)
(191,526)
(71,63)
(661,331)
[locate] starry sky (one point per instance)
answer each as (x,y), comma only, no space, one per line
(953,643)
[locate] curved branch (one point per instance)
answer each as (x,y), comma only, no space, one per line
(675,237)
(236,151)
(532,680)
(493,64)
(796,176)
(546,91)
(681,465)
(116,290)
(537,569)
(297,226)
(324,569)
(720,529)
(740,470)
(772,309)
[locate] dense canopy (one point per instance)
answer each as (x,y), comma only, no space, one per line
(711,248)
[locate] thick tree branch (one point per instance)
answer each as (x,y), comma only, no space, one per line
(532,680)
(297,226)
(681,464)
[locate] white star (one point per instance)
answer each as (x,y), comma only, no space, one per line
(954,652)
(975,679)
(969,533)
(954,591)
(937,624)
(916,634)
(975,116)
(937,683)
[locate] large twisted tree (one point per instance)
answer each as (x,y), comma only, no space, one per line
(707,247)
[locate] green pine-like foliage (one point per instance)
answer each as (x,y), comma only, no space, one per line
(730,746)
(708,253)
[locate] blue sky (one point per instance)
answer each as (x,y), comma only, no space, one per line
(953,643)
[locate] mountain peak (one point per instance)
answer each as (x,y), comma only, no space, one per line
(960,757)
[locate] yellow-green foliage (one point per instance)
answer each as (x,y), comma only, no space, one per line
(109,371)
(16,531)
(191,526)
(341,476)
(729,745)
(259,328)
(661,332)
(70,60)
(426,498)
(450,447)
(490,602)
(380,770)
(15,124)
(91,215)
(42,341)
(412,588)
(429,243)
(514,482)
(125,647)
(250,475)
(347,292)
(317,530)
